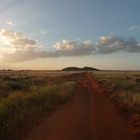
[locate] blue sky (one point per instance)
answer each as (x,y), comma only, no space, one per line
(61,28)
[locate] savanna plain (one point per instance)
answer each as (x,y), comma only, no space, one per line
(60,105)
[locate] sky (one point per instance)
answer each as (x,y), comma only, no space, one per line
(53,34)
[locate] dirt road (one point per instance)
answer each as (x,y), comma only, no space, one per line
(88,116)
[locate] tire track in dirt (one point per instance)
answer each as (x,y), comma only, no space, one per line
(88,116)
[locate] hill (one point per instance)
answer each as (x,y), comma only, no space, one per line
(80,69)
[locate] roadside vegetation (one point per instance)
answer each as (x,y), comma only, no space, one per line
(24,98)
(124,89)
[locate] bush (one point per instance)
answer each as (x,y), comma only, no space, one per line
(138,80)
(12,85)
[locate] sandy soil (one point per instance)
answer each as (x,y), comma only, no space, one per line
(88,116)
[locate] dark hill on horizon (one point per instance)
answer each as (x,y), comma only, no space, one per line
(80,69)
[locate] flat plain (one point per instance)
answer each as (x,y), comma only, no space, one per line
(50,105)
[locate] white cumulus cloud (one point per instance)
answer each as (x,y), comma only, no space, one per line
(74,48)
(15,47)
(9,23)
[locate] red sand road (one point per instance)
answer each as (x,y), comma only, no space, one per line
(88,116)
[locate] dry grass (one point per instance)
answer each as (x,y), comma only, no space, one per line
(125,93)
(26,97)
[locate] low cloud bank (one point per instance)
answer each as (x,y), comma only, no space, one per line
(15,47)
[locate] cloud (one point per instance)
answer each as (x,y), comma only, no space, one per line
(134,28)
(112,44)
(9,23)
(74,48)
(15,47)
(42,31)
(23,42)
